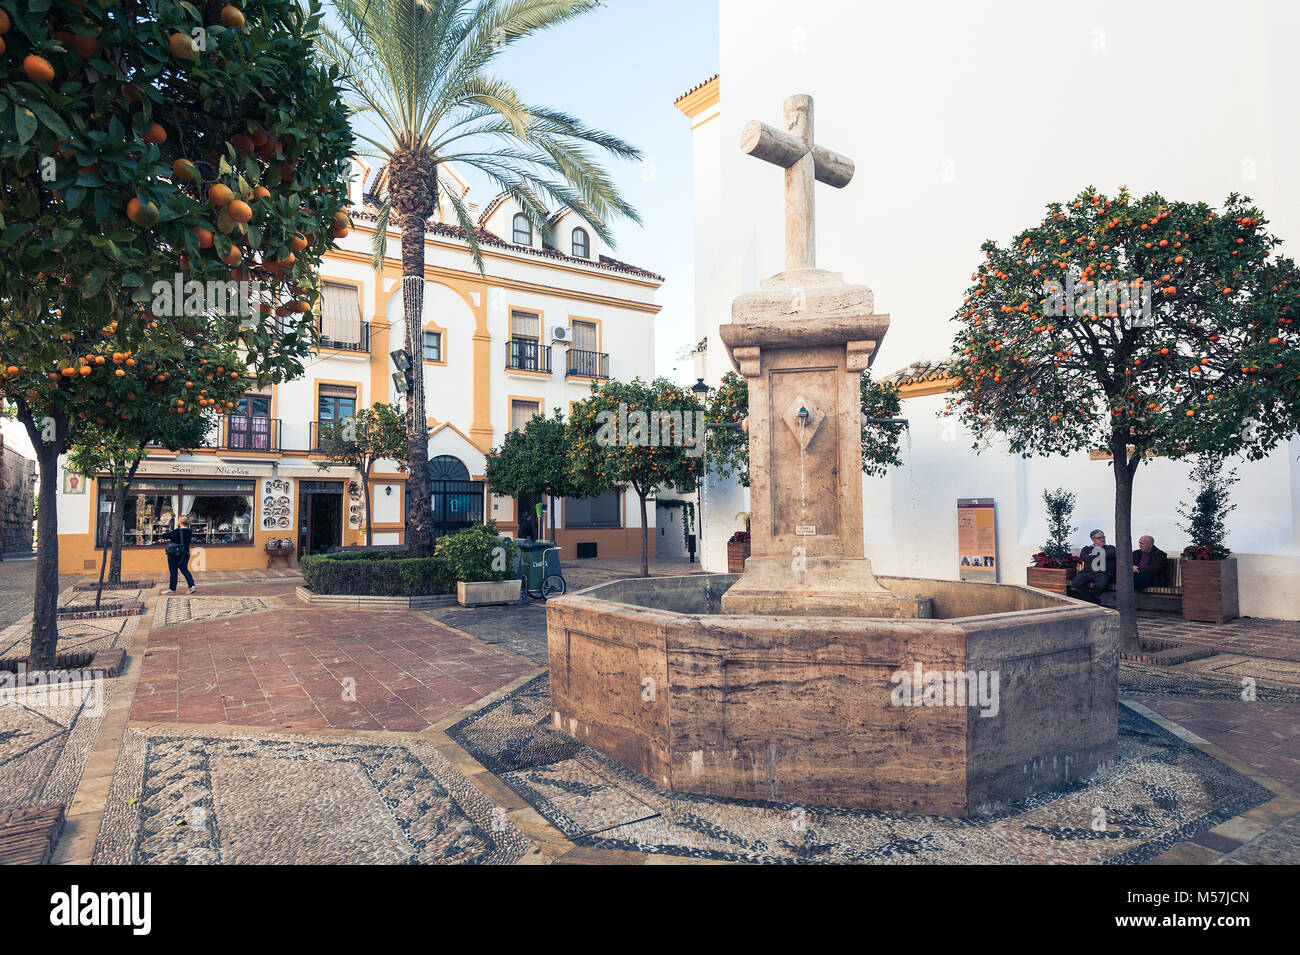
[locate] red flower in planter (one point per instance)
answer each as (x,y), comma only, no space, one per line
(740,537)
(1058,563)
(1204,552)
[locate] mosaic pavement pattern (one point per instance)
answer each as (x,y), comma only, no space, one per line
(205,796)
(520,628)
(107,633)
(46,735)
(186,609)
(1218,677)
(1160,792)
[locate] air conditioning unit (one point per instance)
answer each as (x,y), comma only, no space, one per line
(561,333)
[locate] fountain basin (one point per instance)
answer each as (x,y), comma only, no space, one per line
(812,709)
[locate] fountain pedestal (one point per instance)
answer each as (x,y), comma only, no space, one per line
(801,342)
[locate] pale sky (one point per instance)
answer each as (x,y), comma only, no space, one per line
(619,69)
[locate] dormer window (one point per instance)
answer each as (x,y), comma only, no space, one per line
(581,244)
(523,230)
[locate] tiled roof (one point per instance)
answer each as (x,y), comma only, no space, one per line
(697,86)
(486,238)
(921,371)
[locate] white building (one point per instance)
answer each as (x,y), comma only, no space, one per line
(964,121)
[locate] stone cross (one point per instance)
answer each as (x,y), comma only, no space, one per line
(803,161)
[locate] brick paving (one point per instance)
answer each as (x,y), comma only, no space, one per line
(1266,736)
(1249,636)
(301,667)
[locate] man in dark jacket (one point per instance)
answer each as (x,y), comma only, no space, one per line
(1149,563)
(1098,569)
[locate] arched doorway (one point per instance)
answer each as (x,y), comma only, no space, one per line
(456,501)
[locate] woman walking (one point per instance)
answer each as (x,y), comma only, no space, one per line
(178,552)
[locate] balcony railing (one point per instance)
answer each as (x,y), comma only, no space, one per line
(525,355)
(238,432)
(326,436)
(358,341)
(586,364)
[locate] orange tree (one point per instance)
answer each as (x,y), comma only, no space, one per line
(533,461)
(1136,326)
(113,439)
(647,437)
(141,141)
(729,447)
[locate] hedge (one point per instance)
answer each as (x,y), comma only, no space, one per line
(370,575)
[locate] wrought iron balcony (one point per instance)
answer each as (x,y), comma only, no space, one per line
(586,364)
(347,343)
(527,355)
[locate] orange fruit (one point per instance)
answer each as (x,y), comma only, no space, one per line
(241,142)
(235,256)
(297,242)
(219,194)
(145,216)
(131,93)
(156,135)
(261,192)
(182,47)
(85,369)
(185,170)
(240,211)
(5,24)
(205,237)
(231,16)
(38,68)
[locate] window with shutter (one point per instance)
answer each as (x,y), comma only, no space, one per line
(521,412)
(585,337)
(525,325)
(340,316)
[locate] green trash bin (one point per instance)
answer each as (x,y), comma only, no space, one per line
(539,564)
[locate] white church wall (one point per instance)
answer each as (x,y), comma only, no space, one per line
(946,158)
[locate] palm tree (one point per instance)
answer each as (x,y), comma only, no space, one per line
(416,69)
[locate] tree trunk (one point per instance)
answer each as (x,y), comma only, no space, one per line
(419,522)
(108,545)
(1125,601)
(119,510)
(645,538)
(365,490)
(45,618)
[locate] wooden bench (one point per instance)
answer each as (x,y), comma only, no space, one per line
(1167,595)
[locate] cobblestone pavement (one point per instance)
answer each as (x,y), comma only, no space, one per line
(520,628)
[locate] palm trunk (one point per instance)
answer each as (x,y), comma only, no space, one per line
(45,617)
(419,524)
(1125,601)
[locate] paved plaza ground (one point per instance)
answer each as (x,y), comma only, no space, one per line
(251,727)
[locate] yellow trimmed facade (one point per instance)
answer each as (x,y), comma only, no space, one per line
(261,479)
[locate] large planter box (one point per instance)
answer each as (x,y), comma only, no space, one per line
(480,592)
(1210,590)
(1052,579)
(737,551)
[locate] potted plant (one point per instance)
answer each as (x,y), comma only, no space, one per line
(1056,564)
(1209,570)
(482,565)
(738,547)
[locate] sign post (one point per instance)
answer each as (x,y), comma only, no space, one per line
(977,539)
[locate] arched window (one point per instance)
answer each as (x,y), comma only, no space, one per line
(581,245)
(523,230)
(445,467)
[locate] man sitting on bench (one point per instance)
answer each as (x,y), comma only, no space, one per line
(1098,571)
(1150,563)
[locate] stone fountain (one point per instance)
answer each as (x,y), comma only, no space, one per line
(808,679)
